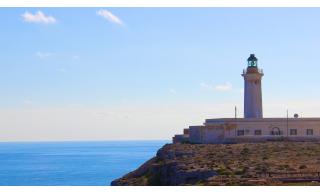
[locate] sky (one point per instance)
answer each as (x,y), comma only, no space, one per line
(147,73)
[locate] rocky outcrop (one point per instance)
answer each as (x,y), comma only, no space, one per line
(164,169)
(225,164)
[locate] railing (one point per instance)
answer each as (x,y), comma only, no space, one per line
(259,70)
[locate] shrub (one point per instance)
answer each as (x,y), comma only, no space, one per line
(302,167)
(244,151)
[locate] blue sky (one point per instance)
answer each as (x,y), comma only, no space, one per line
(182,62)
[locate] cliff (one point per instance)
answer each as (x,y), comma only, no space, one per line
(269,163)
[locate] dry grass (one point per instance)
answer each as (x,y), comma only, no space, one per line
(243,164)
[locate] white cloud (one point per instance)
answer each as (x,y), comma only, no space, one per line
(173,91)
(38,17)
(224,87)
(110,114)
(110,17)
(62,70)
(43,55)
(206,86)
(27,102)
(75,57)
(221,87)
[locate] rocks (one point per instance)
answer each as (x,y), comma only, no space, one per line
(136,177)
(223,164)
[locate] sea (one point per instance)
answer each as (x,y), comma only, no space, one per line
(85,163)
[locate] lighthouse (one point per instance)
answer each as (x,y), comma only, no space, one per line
(252,89)
(253,127)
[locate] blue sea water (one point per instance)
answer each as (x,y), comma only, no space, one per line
(94,163)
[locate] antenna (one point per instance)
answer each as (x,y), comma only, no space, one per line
(235,112)
(287,122)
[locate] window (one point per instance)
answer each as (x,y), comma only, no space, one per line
(276,131)
(257,132)
(240,132)
(309,131)
(293,132)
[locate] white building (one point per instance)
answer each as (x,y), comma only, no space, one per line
(253,127)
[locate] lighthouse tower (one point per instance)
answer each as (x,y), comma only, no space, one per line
(252,89)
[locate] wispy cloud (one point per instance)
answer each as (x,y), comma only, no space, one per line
(224,87)
(227,86)
(75,57)
(27,102)
(62,70)
(38,17)
(111,114)
(206,86)
(110,17)
(43,55)
(173,91)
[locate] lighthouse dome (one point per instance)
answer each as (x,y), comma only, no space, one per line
(252,61)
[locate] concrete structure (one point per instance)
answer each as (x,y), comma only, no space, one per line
(253,127)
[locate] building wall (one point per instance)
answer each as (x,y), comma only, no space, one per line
(231,130)
(213,134)
(270,128)
(195,134)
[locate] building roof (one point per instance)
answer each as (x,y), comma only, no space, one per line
(234,120)
(252,58)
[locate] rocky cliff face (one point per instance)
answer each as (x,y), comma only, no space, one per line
(228,164)
(166,169)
